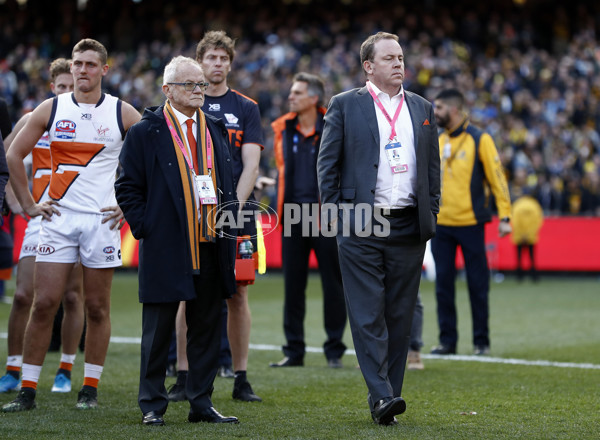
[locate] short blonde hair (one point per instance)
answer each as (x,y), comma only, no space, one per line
(91,44)
(58,67)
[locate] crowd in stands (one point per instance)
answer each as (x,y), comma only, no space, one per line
(530,73)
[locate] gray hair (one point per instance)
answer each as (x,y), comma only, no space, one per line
(171,68)
(314,85)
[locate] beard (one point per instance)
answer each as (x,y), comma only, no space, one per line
(442,121)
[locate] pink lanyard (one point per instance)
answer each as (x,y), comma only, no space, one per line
(182,146)
(385,113)
(208,150)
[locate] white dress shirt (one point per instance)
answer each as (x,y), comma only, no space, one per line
(398,190)
(181,118)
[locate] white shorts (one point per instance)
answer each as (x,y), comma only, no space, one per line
(31,237)
(75,236)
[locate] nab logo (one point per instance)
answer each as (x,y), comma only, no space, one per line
(44,249)
(214,107)
(65,129)
(108,249)
(86,116)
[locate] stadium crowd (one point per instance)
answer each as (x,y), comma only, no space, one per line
(530,74)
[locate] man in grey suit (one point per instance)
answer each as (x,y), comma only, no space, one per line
(379,169)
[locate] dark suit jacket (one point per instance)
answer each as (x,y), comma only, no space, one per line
(150,193)
(349,154)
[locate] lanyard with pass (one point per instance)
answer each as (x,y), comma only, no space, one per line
(392,149)
(204,183)
(178,140)
(393,120)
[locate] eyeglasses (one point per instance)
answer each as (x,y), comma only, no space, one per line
(191,86)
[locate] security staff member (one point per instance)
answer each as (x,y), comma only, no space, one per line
(470,166)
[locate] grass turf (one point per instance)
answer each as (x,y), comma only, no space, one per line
(554,320)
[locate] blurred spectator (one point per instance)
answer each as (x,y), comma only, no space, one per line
(527,219)
(531,74)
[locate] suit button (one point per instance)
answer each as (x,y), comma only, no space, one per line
(376,165)
(373,191)
(169,163)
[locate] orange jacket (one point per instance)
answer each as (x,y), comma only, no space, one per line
(279,126)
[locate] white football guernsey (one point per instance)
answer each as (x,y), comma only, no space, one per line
(85,142)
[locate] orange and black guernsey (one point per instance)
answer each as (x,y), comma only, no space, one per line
(471,168)
(241,116)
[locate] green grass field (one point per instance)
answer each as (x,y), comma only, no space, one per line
(555,320)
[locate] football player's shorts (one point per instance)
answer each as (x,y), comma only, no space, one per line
(74,235)
(31,237)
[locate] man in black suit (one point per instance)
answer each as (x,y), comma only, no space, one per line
(184,255)
(379,169)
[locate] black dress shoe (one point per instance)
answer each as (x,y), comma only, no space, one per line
(443,349)
(335,363)
(481,350)
(176,392)
(152,418)
(226,372)
(210,415)
(171,370)
(392,422)
(288,362)
(384,410)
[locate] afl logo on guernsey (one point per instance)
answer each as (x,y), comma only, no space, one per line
(65,129)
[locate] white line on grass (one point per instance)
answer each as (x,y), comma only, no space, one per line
(488,359)
(453,357)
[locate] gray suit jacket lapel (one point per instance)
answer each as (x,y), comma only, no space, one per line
(414,116)
(365,103)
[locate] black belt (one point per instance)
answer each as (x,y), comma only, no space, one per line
(395,213)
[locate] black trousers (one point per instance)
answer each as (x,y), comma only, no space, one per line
(532,269)
(295,254)
(203,316)
(471,239)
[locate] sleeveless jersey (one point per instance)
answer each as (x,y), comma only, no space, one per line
(41,169)
(40,176)
(85,142)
